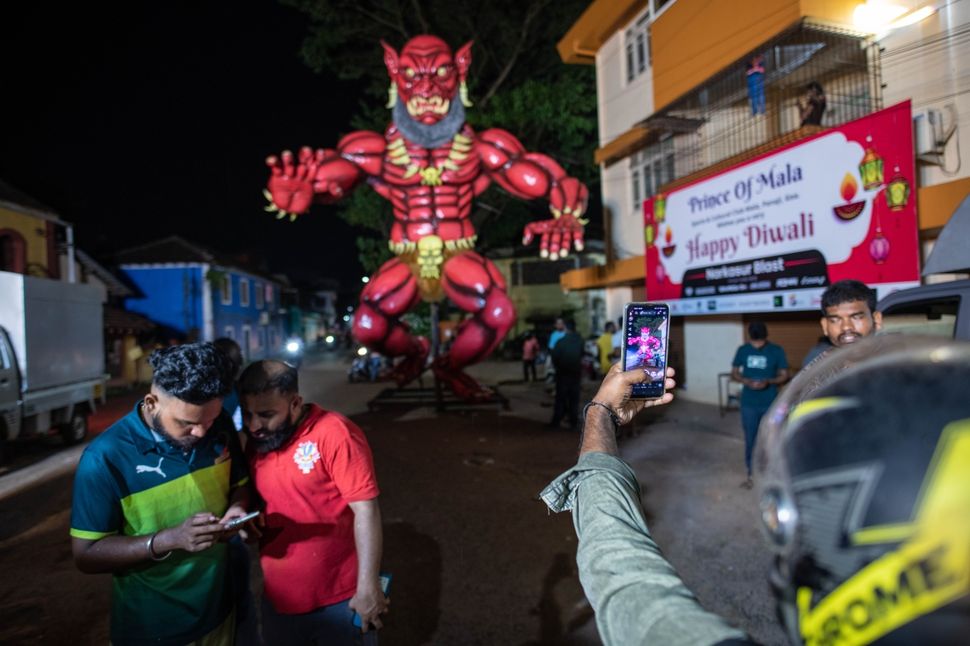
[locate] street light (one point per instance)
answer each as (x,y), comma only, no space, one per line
(365,279)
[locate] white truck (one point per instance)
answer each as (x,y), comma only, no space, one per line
(51,357)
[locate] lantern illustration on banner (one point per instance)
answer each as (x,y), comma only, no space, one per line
(660,207)
(870,168)
(650,220)
(879,247)
(897,191)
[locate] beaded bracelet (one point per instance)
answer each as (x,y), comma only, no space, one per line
(609,409)
(151,549)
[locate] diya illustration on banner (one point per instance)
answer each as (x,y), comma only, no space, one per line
(430,165)
(775,231)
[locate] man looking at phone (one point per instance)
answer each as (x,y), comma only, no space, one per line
(848,315)
(152,496)
(761,366)
(321,541)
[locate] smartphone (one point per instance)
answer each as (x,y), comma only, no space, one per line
(646,330)
(236,522)
(385,587)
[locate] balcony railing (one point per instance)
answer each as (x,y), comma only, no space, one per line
(724,118)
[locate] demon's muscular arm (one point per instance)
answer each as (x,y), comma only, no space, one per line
(323,175)
(531,176)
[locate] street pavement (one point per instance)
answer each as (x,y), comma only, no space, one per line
(476,558)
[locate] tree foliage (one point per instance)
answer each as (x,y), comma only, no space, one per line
(517,82)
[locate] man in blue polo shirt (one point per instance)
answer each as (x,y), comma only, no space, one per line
(152,495)
(761,366)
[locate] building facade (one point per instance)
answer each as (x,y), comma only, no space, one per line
(198,296)
(689,88)
(533,287)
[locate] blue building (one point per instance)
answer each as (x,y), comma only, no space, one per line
(201,296)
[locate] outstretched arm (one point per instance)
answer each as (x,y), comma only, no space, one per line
(323,175)
(637,595)
(531,176)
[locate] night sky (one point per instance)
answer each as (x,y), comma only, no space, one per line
(135,121)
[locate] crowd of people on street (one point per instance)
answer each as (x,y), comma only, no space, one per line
(168,497)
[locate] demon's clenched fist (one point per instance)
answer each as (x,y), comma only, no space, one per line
(430,164)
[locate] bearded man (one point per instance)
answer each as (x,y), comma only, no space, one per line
(321,541)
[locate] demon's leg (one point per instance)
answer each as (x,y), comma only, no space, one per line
(391,292)
(474,284)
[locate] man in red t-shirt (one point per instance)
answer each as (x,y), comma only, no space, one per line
(320,548)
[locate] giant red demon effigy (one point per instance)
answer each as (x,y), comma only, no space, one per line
(430,165)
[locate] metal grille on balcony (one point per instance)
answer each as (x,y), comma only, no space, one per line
(716,122)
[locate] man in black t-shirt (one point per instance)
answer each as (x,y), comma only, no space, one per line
(567,358)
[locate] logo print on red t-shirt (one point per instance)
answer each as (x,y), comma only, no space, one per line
(306,455)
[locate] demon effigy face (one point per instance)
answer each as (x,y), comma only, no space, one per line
(427,76)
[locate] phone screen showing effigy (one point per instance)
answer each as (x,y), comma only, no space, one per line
(645,334)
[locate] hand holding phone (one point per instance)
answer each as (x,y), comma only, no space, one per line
(645,335)
(385,580)
(236,523)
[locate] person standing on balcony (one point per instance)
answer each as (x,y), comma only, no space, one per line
(812,106)
(756,84)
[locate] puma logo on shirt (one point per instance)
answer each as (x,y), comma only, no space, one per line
(144,468)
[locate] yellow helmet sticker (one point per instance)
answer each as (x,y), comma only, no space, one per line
(926,572)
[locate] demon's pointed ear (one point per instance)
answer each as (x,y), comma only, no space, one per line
(390,60)
(463,58)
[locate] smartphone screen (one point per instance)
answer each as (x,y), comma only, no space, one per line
(645,334)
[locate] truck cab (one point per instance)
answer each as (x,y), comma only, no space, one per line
(9,389)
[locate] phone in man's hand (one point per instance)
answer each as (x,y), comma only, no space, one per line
(646,331)
(239,522)
(385,587)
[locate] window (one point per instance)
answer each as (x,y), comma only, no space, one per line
(5,362)
(258,289)
(269,295)
(230,332)
(637,40)
(650,169)
(244,292)
(637,195)
(13,252)
(934,318)
(226,289)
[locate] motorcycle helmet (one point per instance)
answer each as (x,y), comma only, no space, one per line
(863,470)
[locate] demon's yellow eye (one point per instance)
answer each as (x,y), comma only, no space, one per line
(442,71)
(409,72)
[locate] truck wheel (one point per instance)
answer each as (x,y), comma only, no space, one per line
(76,429)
